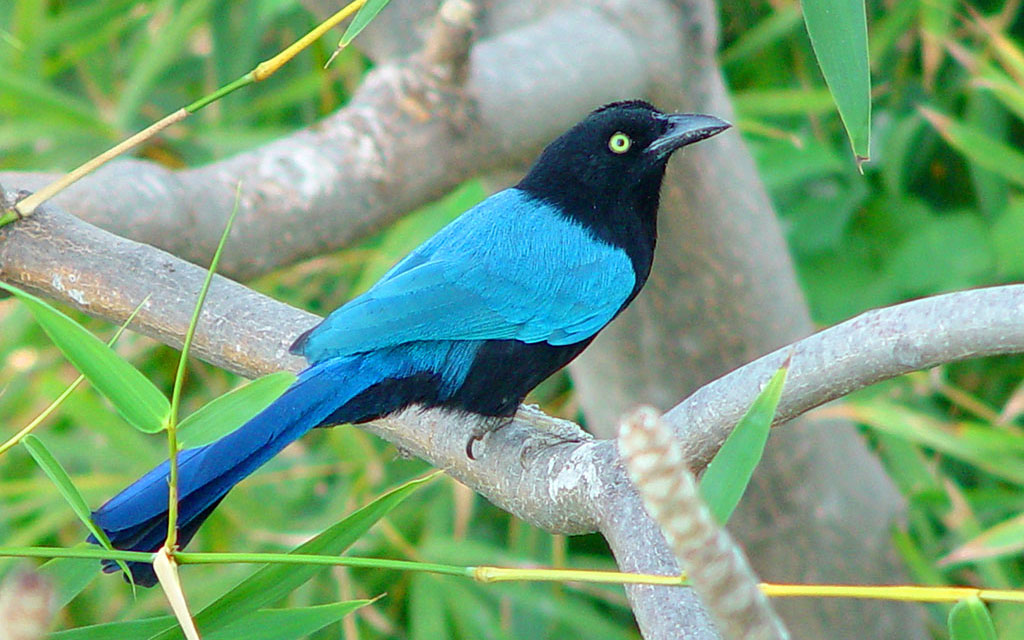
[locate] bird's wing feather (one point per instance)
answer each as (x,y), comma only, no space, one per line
(510,268)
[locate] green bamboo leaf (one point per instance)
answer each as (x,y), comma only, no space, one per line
(272,624)
(273,582)
(366,14)
(727,476)
(56,472)
(839,35)
(266,624)
(427,619)
(226,413)
(969,620)
(1003,539)
(115,630)
(979,445)
(53,468)
(134,396)
(769,31)
(978,147)
(70,576)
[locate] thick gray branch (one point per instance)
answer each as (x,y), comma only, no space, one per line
(559,484)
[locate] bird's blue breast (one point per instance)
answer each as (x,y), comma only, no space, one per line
(512,268)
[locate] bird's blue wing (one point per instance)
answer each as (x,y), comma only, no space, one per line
(512,267)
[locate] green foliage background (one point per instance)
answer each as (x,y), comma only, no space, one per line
(938,208)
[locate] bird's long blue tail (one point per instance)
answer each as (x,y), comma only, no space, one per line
(136,518)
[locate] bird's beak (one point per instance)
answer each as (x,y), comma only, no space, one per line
(684,129)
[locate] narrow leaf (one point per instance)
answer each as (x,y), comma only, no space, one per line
(231,410)
(1004,539)
(70,576)
(53,468)
(978,147)
(969,620)
(729,473)
(839,35)
(56,472)
(273,624)
(134,397)
(273,582)
(266,624)
(366,14)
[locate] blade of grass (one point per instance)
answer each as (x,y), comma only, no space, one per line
(767,32)
(179,378)
(56,472)
(980,148)
(729,473)
(839,35)
(366,14)
(131,393)
(271,583)
(1003,539)
(266,624)
(299,622)
(16,438)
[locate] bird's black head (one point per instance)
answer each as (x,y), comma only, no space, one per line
(607,170)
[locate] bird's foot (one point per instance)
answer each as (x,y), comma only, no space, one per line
(486,425)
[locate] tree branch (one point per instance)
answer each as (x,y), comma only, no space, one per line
(565,481)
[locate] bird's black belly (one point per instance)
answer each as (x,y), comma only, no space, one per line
(501,375)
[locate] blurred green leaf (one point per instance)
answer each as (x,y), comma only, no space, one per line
(70,576)
(999,454)
(226,413)
(1005,538)
(134,396)
(53,468)
(266,624)
(910,471)
(1007,235)
(969,620)
(427,609)
(297,622)
(951,252)
(275,581)
(162,49)
(978,147)
(729,473)
(769,31)
(839,35)
(755,103)
(363,18)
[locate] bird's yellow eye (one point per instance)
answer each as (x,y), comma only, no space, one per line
(619,142)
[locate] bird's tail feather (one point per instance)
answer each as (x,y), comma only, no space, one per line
(136,518)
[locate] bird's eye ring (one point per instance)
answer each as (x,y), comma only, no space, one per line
(619,142)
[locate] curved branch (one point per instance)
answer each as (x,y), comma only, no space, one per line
(564,481)
(877,345)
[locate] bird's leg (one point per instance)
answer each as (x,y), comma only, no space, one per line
(486,425)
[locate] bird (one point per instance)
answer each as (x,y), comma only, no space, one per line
(472,320)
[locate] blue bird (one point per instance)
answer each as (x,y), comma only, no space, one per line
(472,320)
